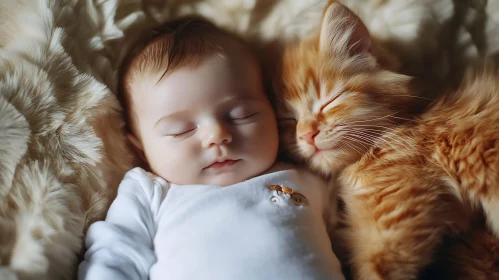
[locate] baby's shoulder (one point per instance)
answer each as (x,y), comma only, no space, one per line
(138,178)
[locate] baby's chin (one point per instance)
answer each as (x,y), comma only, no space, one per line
(227,179)
(225,176)
(238,175)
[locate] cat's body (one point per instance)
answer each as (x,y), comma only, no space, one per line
(406,185)
(422,181)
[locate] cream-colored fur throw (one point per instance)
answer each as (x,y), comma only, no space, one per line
(62,148)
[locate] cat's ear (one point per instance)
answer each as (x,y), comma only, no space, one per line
(343,31)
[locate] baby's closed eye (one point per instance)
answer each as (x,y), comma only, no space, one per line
(182,133)
(242,114)
(177,129)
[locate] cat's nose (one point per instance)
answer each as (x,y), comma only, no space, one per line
(309,137)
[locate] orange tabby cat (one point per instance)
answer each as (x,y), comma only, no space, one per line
(405,185)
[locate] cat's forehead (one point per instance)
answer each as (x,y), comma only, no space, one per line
(306,93)
(310,78)
(305,67)
(315,92)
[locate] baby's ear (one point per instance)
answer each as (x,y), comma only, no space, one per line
(137,146)
(342,32)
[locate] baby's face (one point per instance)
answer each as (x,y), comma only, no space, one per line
(209,124)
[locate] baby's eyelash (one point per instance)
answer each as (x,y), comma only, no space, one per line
(182,133)
(245,117)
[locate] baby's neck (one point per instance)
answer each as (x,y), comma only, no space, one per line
(277,166)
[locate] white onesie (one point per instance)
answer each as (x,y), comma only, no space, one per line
(269,227)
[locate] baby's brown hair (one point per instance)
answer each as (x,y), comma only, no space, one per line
(183,42)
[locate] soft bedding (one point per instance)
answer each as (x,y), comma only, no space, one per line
(62,147)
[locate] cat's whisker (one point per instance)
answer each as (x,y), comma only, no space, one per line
(374,130)
(386,134)
(379,137)
(368,139)
(414,96)
(362,142)
(369,121)
(395,137)
(350,146)
(384,139)
(405,119)
(375,119)
(363,139)
(359,141)
(372,125)
(381,128)
(400,141)
(402,144)
(369,136)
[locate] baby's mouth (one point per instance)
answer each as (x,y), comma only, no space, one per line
(222,164)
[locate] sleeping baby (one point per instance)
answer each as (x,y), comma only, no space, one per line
(214,203)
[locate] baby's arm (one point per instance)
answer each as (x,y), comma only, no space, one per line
(121,247)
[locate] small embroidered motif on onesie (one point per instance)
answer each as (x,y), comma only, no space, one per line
(285,192)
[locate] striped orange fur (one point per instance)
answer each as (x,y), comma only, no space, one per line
(406,184)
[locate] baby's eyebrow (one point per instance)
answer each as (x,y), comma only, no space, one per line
(242,98)
(175,116)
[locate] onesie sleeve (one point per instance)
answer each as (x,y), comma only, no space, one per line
(121,246)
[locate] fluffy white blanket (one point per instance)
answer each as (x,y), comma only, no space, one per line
(62,149)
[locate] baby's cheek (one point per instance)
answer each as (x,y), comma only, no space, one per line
(178,165)
(181,157)
(270,133)
(255,132)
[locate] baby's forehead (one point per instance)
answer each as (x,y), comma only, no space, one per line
(174,51)
(234,72)
(154,66)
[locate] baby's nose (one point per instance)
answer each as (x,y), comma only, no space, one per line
(218,135)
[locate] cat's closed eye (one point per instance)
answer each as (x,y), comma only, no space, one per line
(330,103)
